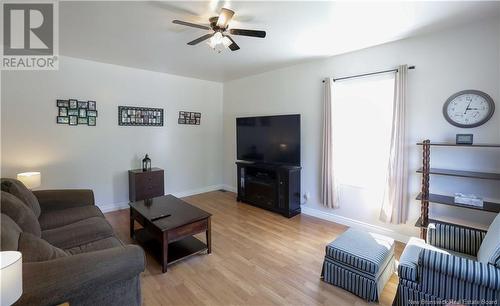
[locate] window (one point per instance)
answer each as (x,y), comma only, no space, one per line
(362,118)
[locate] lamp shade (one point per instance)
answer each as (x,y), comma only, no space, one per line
(11,277)
(30,179)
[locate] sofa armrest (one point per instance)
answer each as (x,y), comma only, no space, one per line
(462,269)
(408,261)
(60,280)
(64,198)
(455,238)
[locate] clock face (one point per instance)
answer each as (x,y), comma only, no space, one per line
(468,108)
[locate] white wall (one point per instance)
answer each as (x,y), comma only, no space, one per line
(99,157)
(197,158)
(446,62)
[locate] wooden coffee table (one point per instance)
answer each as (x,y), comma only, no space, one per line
(168,226)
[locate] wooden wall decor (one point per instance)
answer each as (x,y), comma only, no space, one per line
(140,116)
(74,112)
(193,118)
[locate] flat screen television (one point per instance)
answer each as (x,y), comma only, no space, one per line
(269,139)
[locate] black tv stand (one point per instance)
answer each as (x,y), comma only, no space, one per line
(272,187)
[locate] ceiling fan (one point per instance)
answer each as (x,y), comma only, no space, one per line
(220,39)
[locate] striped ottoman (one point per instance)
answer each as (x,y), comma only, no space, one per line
(359,262)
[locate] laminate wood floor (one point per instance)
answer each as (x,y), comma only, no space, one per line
(258,258)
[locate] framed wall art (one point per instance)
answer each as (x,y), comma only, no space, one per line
(73,120)
(193,118)
(73,104)
(74,112)
(140,116)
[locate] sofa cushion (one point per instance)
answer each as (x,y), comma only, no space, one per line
(78,233)
(102,244)
(489,252)
(362,251)
(10,234)
(20,213)
(18,189)
(36,249)
(58,218)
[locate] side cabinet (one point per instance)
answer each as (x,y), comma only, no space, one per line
(145,184)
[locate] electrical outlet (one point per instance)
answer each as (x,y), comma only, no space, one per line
(307,196)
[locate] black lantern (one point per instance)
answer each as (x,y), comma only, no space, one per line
(146,163)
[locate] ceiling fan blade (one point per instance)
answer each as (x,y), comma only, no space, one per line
(224,18)
(189,24)
(253,33)
(200,39)
(233,46)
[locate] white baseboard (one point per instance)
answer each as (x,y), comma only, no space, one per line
(112,207)
(188,193)
(117,206)
(354,223)
(229,188)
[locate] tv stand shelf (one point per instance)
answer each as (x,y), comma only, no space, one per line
(269,186)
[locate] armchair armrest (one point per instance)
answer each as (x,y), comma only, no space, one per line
(455,237)
(63,279)
(450,267)
(64,198)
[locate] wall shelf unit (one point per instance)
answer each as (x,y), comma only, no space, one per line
(477,145)
(460,173)
(447,200)
(425,197)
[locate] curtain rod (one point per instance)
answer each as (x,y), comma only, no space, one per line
(367,74)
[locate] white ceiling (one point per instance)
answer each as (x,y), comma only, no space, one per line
(141,35)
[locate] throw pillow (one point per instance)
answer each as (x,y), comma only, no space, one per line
(18,189)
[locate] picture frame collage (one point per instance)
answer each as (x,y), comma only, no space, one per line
(74,112)
(140,116)
(192,118)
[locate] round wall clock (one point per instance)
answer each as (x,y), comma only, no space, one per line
(468,108)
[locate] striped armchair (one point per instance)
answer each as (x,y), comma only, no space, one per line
(457,264)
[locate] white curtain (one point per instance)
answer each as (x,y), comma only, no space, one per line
(329,195)
(394,208)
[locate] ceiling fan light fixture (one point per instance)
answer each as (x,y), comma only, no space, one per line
(224,18)
(226,41)
(211,44)
(217,40)
(217,37)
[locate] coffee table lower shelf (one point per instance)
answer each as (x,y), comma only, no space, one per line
(177,250)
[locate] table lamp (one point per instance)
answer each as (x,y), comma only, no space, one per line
(11,277)
(30,179)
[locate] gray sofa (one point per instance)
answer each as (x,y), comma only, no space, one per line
(70,252)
